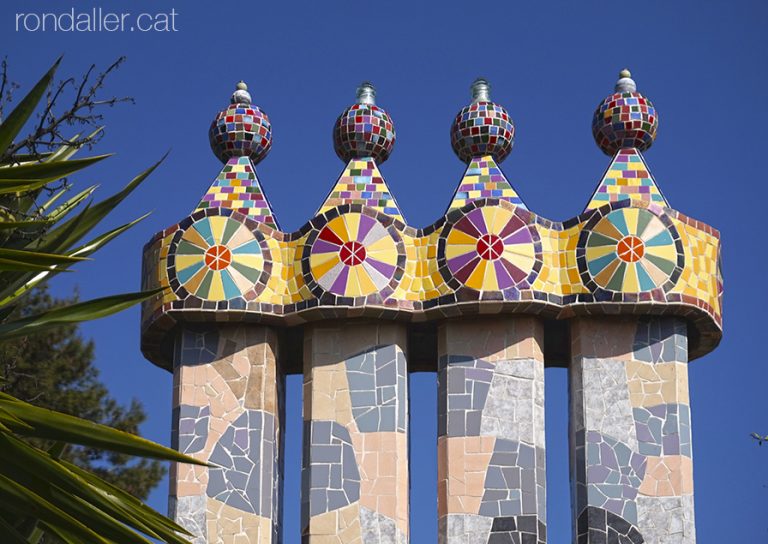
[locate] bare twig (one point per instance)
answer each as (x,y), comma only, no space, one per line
(6,86)
(82,111)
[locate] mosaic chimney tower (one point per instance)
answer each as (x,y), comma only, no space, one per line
(624,295)
(631,465)
(355,469)
(227,392)
(491,453)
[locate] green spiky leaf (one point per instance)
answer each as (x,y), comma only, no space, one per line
(12,125)
(56,426)
(74,313)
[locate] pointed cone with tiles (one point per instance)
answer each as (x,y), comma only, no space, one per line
(484,179)
(237,188)
(627,178)
(362,183)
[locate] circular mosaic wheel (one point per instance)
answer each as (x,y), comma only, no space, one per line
(218,258)
(354,255)
(632,250)
(491,249)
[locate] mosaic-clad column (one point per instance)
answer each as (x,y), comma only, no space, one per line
(491,453)
(227,399)
(355,469)
(631,431)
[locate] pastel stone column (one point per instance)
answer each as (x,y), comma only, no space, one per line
(227,399)
(631,465)
(491,454)
(355,469)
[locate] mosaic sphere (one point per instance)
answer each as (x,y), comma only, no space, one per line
(624,119)
(364,130)
(241,130)
(482,128)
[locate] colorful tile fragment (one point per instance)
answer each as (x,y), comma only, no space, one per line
(627,178)
(484,179)
(237,188)
(362,183)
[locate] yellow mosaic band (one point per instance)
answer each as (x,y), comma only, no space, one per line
(547,268)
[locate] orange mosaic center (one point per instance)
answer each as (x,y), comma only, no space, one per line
(218,257)
(630,249)
(490,247)
(352,253)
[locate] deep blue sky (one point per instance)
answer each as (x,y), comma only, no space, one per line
(702,63)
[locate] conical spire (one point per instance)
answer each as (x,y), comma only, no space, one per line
(483,178)
(627,178)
